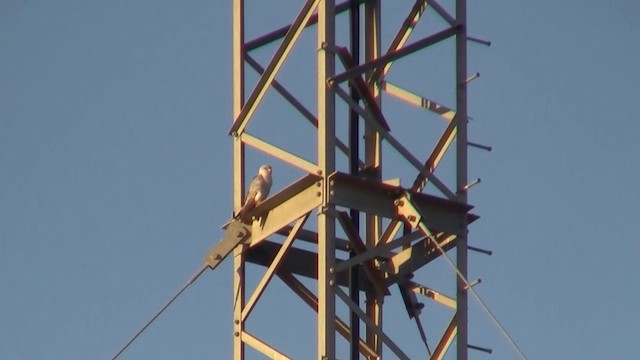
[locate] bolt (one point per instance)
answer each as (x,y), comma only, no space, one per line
(236,321)
(411,218)
(331,270)
(318,183)
(331,282)
(239,234)
(333,182)
(319,172)
(318,193)
(332,193)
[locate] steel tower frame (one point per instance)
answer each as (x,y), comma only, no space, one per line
(433,225)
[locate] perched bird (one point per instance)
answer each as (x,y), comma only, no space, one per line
(258,190)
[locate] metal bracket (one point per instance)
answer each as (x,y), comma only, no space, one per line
(236,233)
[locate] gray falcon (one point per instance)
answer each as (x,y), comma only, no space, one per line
(258,190)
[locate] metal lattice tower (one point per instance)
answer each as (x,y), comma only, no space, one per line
(375,255)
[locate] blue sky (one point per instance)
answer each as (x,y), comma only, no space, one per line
(114,177)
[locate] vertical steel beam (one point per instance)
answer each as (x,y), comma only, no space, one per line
(238,174)
(326,164)
(354,164)
(373,159)
(461,175)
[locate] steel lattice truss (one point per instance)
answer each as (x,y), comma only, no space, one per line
(384,256)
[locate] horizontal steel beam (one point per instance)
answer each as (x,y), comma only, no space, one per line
(312,237)
(263,347)
(299,262)
(432,294)
(417,100)
(304,262)
(378,198)
(283,208)
(279,153)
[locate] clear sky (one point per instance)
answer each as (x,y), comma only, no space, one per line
(115,177)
